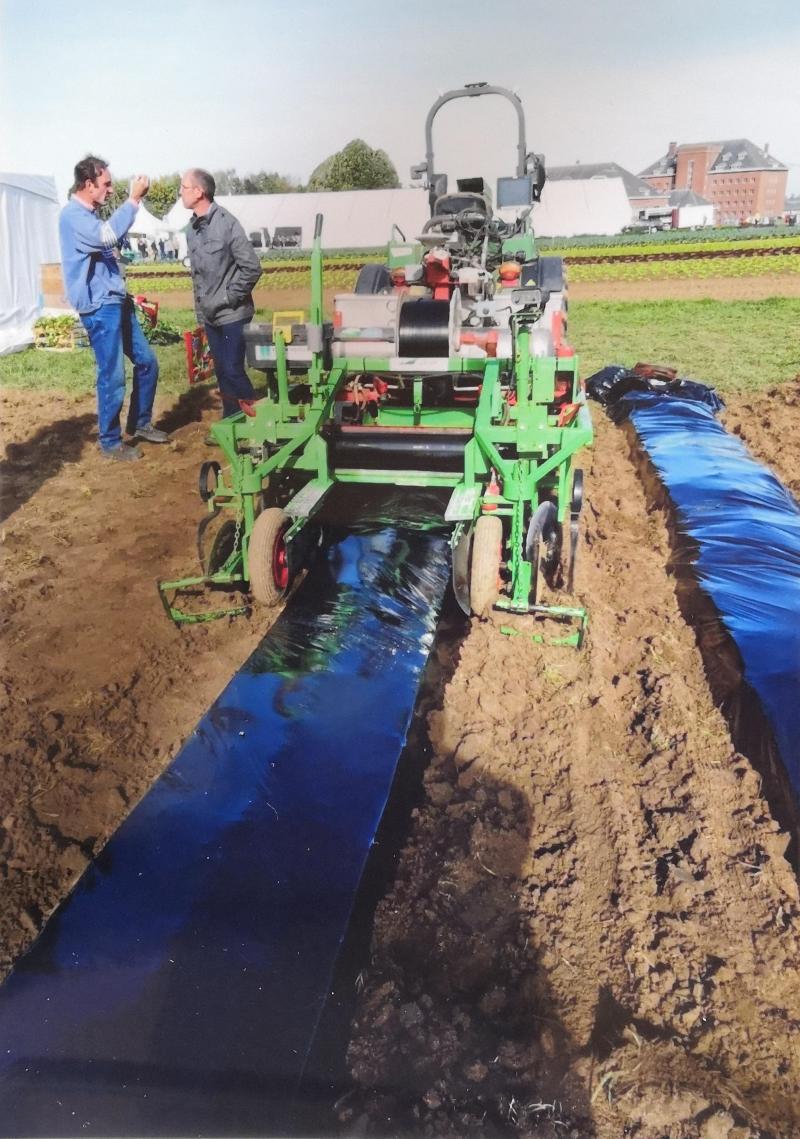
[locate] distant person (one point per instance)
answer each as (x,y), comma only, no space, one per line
(96,290)
(225,269)
(154,250)
(142,247)
(161,247)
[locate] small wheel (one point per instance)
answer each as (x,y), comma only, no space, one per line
(268,557)
(221,548)
(576,503)
(575,509)
(543,547)
(206,485)
(484,577)
(373,279)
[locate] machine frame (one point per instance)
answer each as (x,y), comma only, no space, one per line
(497,425)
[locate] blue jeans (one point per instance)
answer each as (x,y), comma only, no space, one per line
(226,342)
(114,333)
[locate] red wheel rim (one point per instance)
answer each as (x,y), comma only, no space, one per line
(280,564)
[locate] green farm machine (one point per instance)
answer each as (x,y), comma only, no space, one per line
(448,367)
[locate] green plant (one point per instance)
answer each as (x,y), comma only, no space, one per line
(164,331)
(54,332)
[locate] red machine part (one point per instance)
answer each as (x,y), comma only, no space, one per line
(485,338)
(509,273)
(362,393)
(437,274)
(199,364)
(148,308)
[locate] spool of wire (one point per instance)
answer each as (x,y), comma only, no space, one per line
(426,328)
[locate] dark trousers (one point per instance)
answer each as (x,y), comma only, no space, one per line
(226,342)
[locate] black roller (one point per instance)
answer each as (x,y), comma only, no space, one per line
(423,328)
(397,449)
(422,450)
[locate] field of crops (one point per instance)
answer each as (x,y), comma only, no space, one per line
(717,255)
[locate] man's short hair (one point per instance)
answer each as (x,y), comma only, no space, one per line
(205,181)
(90,167)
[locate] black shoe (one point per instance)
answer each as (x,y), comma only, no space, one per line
(151,434)
(121,453)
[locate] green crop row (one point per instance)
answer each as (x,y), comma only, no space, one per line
(333,277)
(668,270)
(656,241)
(647,248)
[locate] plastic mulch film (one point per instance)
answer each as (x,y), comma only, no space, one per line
(178,989)
(739,539)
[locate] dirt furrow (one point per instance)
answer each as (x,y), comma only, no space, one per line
(593,911)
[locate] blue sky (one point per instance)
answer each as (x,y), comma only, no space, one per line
(155,87)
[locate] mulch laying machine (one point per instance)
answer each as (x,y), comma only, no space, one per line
(448,367)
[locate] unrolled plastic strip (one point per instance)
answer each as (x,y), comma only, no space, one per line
(178,989)
(741,537)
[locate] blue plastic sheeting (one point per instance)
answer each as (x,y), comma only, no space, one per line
(178,989)
(746,527)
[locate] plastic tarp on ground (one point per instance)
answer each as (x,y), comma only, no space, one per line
(740,532)
(179,989)
(28,239)
(353,218)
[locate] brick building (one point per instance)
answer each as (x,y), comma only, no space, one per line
(739,178)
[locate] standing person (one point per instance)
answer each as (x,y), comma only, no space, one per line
(96,290)
(224,270)
(161,248)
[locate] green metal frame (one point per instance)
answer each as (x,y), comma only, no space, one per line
(515,443)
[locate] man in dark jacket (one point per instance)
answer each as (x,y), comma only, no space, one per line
(224,270)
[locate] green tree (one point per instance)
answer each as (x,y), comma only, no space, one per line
(356,167)
(119,194)
(161,197)
(268,183)
(163,194)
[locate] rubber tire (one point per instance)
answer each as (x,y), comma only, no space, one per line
(487,547)
(267,533)
(373,279)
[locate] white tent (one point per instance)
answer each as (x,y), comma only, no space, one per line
(148,225)
(151,228)
(353,219)
(589,205)
(28,239)
(364,218)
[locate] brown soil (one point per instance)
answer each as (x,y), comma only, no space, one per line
(685,289)
(768,423)
(98,689)
(269,299)
(593,929)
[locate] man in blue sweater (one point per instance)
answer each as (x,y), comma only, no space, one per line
(96,290)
